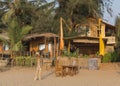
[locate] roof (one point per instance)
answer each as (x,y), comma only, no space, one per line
(107,24)
(84,39)
(4,36)
(80,37)
(37,35)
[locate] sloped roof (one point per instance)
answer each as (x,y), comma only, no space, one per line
(36,35)
(4,36)
(110,25)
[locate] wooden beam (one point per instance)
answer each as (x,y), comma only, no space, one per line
(85,41)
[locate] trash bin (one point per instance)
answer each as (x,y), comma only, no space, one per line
(93,64)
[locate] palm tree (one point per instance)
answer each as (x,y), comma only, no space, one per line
(43,17)
(17,27)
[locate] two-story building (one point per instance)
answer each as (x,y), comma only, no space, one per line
(88,39)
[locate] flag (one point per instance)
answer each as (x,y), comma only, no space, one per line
(61,35)
(101,45)
(101,41)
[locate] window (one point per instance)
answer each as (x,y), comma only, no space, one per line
(41,46)
(5,47)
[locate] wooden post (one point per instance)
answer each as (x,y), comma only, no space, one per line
(57,46)
(2,50)
(46,44)
(54,46)
(68,45)
(51,50)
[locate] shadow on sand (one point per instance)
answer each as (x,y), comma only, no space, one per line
(4,69)
(47,74)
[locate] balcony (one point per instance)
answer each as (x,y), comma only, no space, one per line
(110,40)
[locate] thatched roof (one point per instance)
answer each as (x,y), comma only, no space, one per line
(37,35)
(4,36)
(5,52)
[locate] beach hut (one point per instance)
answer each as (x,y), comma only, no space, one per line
(46,42)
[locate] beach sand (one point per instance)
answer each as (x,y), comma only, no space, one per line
(21,76)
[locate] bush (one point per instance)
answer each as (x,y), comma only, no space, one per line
(115,57)
(111,57)
(25,61)
(19,61)
(85,56)
(106,58)
(28,61)
(70,54)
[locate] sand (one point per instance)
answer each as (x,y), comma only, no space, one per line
(18,76)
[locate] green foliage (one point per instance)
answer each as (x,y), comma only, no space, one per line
(16,34)
(43,18)
(106,58)
(70,54)
(76,11)
(97,53)
(17,23)
(111,57)
(85,56)
(115,57)
(25,61)
(117,24)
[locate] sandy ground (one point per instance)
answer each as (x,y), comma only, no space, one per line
(24,77)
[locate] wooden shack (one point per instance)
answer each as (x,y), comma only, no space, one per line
(48,42)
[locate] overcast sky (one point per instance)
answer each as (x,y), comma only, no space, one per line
(116,11)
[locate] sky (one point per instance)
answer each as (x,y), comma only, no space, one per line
(116,11)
